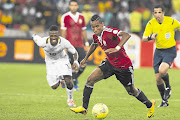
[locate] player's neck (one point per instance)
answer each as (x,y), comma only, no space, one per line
(161,21)
(74,13)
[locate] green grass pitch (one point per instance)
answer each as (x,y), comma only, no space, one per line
(26,95)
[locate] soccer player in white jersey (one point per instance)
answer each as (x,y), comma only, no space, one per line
(58,66)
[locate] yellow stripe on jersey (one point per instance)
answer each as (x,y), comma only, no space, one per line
(59,40)
(47,40)
(165,38)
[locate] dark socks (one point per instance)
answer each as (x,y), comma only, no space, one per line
(161,90)
(141,97)
(80,72)
(76,75)
(166,80)
(86,95)
(74,81)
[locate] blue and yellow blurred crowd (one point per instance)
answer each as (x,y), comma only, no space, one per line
(126,15)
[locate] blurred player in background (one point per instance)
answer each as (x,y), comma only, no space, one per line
(161,29)
(117,63)
(58,66)
(73,28)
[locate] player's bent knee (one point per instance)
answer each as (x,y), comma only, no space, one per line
(130,90)
(163,73)
(90,81)
(54,87)
(69,86)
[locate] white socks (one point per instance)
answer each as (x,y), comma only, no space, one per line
(69,94)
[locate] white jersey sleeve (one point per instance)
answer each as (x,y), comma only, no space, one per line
(69,46)
(41,42)
(63,26)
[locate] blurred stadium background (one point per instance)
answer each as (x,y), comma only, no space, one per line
(22,17)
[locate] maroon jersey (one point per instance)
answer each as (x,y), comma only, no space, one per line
(74,24)
(109,39)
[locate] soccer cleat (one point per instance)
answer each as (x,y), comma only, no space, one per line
(167,93)
(62,84)
(79,109)
(76,88)
(164,104)
(150,113)
(71,103)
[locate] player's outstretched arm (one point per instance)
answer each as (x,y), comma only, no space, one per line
(75,65)
(125,37)
(91,50)
(69,47)
(38,40)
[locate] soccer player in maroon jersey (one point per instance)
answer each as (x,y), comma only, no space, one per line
(117,63)
(73,28)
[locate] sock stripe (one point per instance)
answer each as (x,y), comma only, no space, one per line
(139,91)
(89,86)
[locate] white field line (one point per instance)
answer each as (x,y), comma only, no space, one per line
(106,97)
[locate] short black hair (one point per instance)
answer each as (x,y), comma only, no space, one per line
(53,28)
(159,6)
(96,18)
(73,1)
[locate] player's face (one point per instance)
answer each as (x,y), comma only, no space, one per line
(97,27)
(54,36)
(158,14)
(73,6)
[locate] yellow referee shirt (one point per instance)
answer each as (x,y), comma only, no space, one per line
(165,38)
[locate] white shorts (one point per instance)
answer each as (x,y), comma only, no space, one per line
(56,69)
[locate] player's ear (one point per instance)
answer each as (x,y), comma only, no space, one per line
(103,23)
(163,13)
(78,6)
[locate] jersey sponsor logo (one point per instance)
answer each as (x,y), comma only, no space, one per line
(80,21)
(167,35)
(115,31)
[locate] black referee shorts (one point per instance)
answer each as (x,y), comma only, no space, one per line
(163,55)
(125,76)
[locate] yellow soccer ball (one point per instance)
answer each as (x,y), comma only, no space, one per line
(100,111)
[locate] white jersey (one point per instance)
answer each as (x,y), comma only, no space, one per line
(54,52)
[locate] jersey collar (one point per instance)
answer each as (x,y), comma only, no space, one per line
(74,17)
(102,31)
(48,42)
